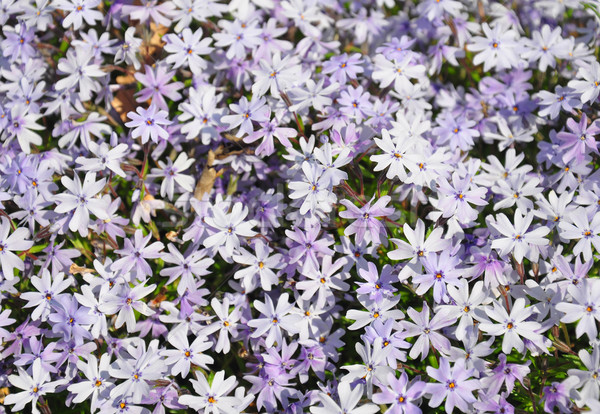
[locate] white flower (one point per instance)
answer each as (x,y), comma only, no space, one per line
(518,239)
(15,242)
(97,382)
(213,398)
(512,327)
(34,386)
(171,173)
(230,227)
(186,354)
(82,200)
(349,398)
(107,158)
(394,157)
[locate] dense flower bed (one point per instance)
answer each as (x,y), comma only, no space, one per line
(299,206)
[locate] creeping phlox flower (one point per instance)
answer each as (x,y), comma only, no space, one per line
(299,206)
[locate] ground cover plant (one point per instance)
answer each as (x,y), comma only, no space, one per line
(293,206)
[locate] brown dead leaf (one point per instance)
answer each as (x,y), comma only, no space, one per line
(209,175)
(159,298)
(126,79)
(171,236)
(155,44)
(124,102)
(206,182)
(75,269)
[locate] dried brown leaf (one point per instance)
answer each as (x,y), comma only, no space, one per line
(75,269)
(124,102)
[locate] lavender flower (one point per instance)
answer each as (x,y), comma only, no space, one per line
(454,386)
(148,123)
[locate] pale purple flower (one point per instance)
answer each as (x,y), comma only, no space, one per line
(559,395)
(504,373)
(134,255)
(440,270)
(123,300)
(274,319)
(138,365)
(400,72)
(185,50)
(71,320)
(20,125)
(374,364)
(150,9)
(80,71)
(5,320)
(148,123)
(37,351)
(158,86)
(171,173)
(245,112)
(106,158)
(227,325)
(343,67)
(464,304)
(426,330)
(401,395)
(322,280)
(366,219)
(454,386)
(456,198)
(187,267)
(589,379)
(382,310)
(239,36)
(376,286)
